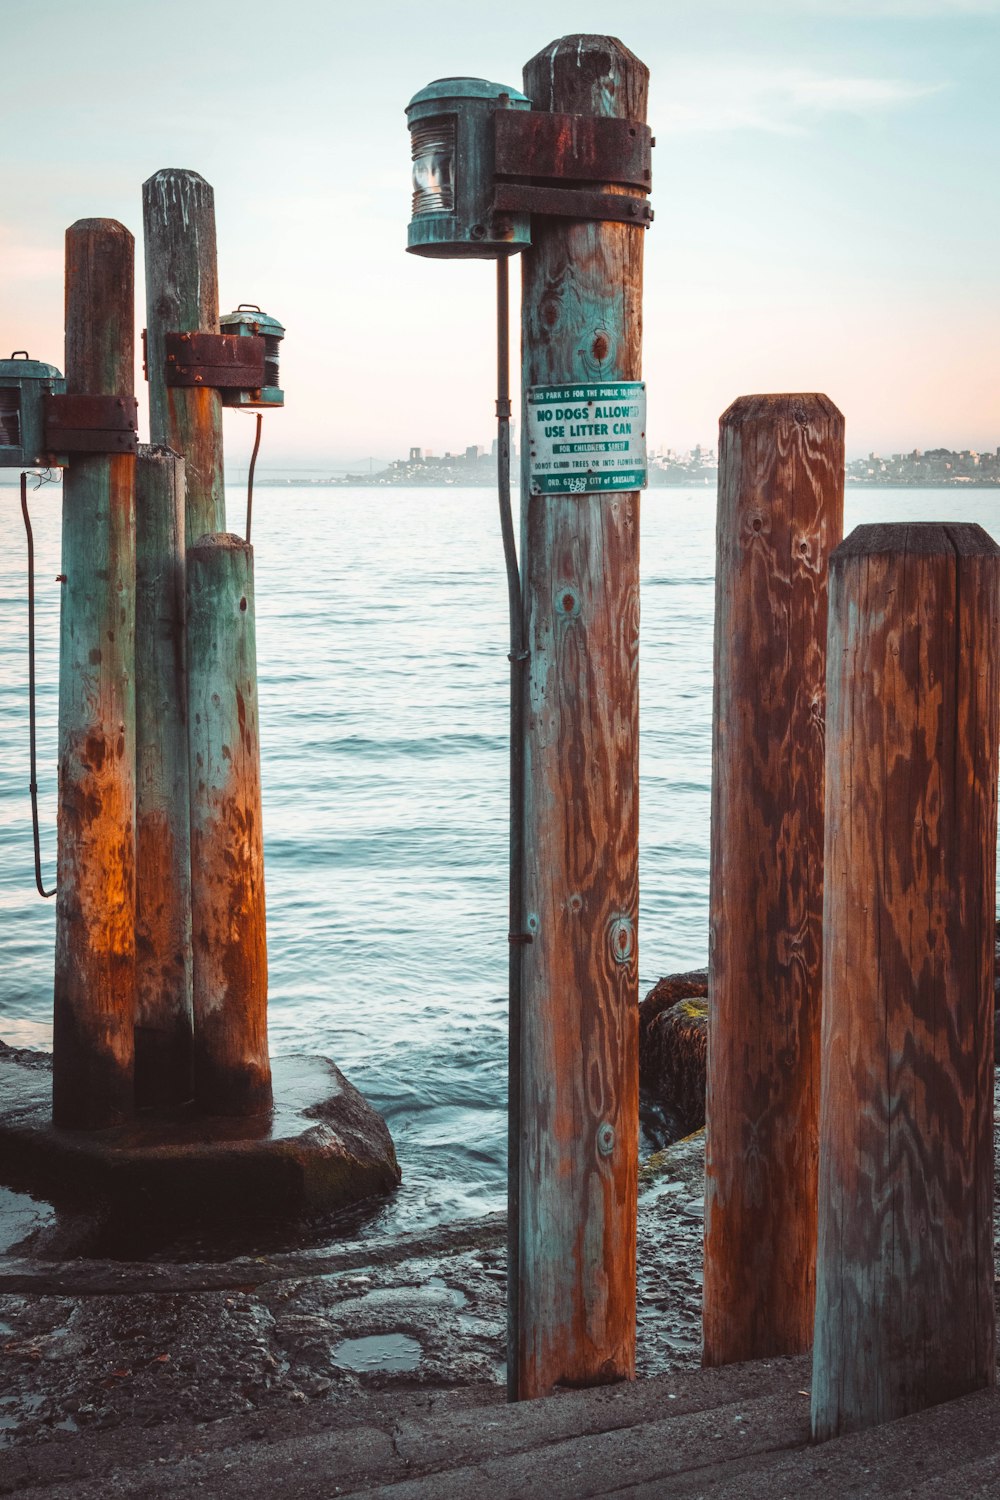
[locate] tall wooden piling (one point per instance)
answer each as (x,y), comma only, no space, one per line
(581,320)
(92,1064)
(182,296)
(164,1016)
(232,1068)
(780,514)
(904,1306)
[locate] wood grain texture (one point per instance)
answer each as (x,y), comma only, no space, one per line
(182,296)
(92,1045)
(904,1306)
(581,319)
(164,1016)
(780,514)
(232,1067)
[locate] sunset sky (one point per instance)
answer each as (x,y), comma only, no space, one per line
(824,184)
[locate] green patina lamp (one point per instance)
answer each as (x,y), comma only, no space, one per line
(24,384)
(452,141)
(249,322)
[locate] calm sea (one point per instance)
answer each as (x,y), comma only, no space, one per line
(381,631)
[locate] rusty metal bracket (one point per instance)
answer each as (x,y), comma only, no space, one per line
(572,203)
(220,361)
(542,156)
(590,148)
(91,424)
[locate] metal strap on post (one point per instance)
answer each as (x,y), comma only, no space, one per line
(91,424)
(539,151)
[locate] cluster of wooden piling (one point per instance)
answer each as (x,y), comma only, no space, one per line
(856,734)
(854,819)
(161,965)
(849,1142)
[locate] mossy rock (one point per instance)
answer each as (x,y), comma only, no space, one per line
(673,1045)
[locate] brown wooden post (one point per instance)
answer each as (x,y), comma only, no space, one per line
(581,320)
(163,1023)
(904,1305)
(232,1067)
(780,514)
(92,1063)
(182,296)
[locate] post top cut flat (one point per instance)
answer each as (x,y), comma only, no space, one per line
(177,174)
(221,541)
(923,538)
(159,453)
(573,73)
(101,226)
(802,407)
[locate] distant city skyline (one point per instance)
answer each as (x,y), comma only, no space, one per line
(822,182)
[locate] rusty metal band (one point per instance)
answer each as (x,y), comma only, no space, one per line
(570,203)
(220,361)
(91,424)
(539,144)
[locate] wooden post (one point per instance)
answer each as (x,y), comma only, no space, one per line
(904,1303)
(581,319)
(92,1064)
(780,514)
(163,1023)
(232,1067)
(182,296)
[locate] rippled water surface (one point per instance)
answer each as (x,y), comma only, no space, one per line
(381,625)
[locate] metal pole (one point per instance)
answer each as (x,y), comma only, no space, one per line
(33,759)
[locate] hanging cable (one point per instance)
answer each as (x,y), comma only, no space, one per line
(253,464)
(517,937)
(33,784)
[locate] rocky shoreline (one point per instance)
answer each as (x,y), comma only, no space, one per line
(110,1347)
(169,1357)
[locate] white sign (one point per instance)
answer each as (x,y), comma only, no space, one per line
(587,437)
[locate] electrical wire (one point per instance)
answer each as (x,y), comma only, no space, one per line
(259,415)
(33,783)
(253,464)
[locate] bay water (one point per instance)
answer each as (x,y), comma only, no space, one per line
(382,652)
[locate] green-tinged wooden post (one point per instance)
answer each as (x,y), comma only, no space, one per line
(163,1022)
(182,296)
(232,1067)
(780,514)
(581,320)
(93,1053)
(904,1286)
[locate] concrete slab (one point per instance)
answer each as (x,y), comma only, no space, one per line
(320,1149)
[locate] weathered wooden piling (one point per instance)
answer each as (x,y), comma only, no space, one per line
(780,514)
(232,1068)
(164,1016)
(904,1305)
(581,320)
(92,1065)
(182,296)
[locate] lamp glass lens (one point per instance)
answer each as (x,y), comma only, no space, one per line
(433,146)
(10,417)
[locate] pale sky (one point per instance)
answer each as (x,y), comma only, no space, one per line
(825,187)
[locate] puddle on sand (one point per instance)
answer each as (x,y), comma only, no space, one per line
(21,1215)
(380,1351)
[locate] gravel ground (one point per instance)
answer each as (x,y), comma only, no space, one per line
(101,1345)
(426,1315)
